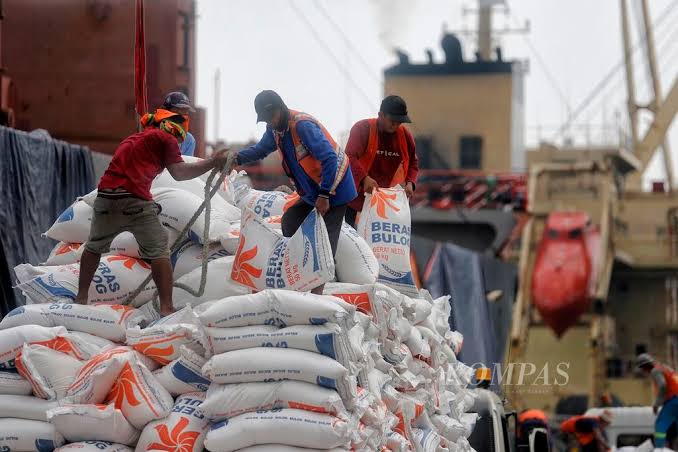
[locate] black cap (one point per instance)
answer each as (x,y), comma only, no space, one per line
(396,108)
(267,102)
(177,99)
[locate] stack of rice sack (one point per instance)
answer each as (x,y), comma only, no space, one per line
(253,364)
(90,376)
(283,372)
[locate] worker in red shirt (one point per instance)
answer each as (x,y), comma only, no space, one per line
(665,382)
(124,201)
(589,431)
(382,153)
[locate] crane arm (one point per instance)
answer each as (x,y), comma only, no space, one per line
(660,125)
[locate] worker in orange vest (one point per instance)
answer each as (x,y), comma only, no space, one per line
(528,420)
(589,431)
(382,153)
(665,382)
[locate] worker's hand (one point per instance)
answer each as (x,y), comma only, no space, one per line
(655,409)
(322,204)
(369,184)
(409,189)
(226,159)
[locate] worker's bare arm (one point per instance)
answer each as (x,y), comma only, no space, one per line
(185,171)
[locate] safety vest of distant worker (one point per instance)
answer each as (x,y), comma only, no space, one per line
(160,118)
(582,427)
(311,166)
(367,159)
(671,379)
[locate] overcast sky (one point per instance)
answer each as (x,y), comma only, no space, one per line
(326,57)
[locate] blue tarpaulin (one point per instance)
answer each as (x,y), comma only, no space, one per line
(467,277)
(39,178)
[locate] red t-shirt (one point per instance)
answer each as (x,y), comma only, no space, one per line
(139,159)
(386,161)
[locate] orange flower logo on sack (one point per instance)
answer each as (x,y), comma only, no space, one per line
(67,247)
(383,200)
(156,351)
(61,344)
(125,311)
(124,389)
(177,440)
(129,262)
(242,270)
(360,300)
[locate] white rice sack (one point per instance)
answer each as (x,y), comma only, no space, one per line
(273,307)
(178,206)
(13,339)
(124,244)
(328,340)
(50,373)
(219,284)
(94,446)
(183,430)
(267,260)
(23,435)
(285,448)
(184,374)
(92,423)
(288,426)
(386,226)
(162,340)
(263,203)
(25,407)
(197,185)
(428,440)
(115,279)
(189,257)
(94,342)
(230,400)
(11,383)
(64,253)
(270,364)
(103,320)
(73,224)
(376,300)
(139,395)
(355,261)
(97,376)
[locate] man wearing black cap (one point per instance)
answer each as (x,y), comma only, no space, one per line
(177,102)
(311,158)
(124,201)
(382,153)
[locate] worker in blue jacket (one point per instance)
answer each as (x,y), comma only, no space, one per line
(311,158)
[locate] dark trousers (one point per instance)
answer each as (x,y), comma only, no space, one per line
(296,214)
(351,215)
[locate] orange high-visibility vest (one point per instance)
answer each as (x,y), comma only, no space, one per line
(367,159)
(308,163)
(671,378)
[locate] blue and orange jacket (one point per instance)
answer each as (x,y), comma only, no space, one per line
(309,158)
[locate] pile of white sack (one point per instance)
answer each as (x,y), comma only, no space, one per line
(254,364)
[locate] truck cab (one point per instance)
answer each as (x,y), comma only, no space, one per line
(630,426)
(494,430)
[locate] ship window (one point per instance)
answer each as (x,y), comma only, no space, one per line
(470,152)
(183,38)
(553,234)
(574,233)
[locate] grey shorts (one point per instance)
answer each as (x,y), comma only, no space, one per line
(138,216)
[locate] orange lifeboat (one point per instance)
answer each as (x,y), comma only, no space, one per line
(563,280)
